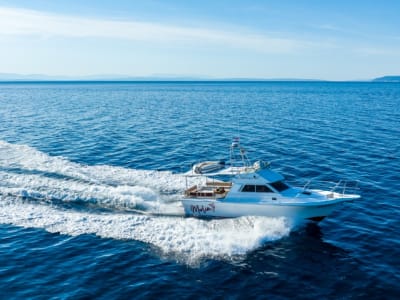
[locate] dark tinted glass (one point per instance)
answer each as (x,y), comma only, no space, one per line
(248,188)
(279,186)
(263,189)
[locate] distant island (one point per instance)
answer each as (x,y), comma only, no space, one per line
(388,79)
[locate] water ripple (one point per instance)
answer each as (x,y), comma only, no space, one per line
(74,157)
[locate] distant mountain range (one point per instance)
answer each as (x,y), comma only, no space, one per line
(41,77)
(111,77)
(157,77)
(388,79)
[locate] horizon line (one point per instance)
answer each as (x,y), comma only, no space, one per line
(185,80)
(15,77)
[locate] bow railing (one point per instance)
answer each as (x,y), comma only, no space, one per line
(339,187)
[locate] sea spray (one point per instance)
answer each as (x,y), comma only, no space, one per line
(187,239)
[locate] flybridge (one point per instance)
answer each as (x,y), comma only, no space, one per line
(238,163)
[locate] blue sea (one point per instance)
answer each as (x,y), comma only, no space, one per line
(91,177)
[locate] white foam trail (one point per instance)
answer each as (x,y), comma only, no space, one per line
(187,239)
(28,173)
(27,158)
(43,188)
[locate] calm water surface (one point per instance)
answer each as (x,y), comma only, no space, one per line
(82,165)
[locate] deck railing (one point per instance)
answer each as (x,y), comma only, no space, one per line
(340,187)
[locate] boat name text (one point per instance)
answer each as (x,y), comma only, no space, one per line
(202,209)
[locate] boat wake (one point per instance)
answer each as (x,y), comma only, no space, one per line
(34,175)
(60,196)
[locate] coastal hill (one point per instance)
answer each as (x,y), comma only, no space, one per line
(388,79)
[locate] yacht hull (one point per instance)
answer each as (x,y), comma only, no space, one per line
(211,208)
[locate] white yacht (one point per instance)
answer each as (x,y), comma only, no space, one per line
(256,190)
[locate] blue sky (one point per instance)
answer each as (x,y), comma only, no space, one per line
(332,40)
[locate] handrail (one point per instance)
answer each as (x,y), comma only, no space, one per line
(339,187)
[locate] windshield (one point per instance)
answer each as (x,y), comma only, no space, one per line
(280,186)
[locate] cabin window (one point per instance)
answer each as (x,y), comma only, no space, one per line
(249,188)
(280,186)
(263,189)
(256,188)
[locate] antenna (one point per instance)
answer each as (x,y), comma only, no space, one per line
(238,157)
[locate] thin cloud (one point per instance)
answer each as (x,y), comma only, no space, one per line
(329,27)
(378,51)
(20,22)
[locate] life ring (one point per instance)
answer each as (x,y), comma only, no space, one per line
(219,190)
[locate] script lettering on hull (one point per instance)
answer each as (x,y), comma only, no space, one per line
(202,209)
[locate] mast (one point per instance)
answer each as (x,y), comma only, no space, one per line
(238,156)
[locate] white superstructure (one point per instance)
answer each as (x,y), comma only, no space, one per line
(257,190)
